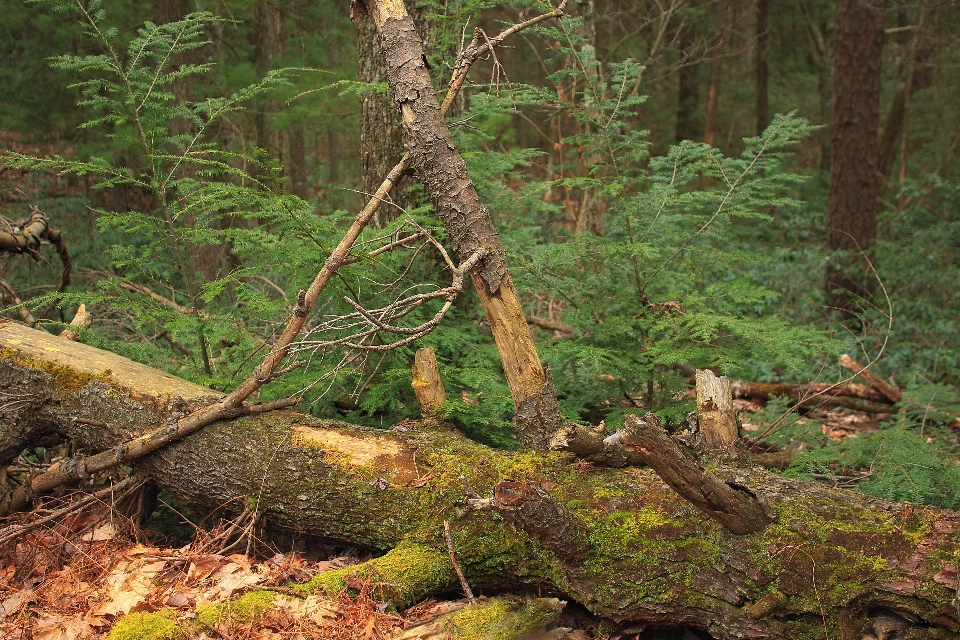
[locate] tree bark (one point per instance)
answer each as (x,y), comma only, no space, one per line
(854,187)
(444,175)
(716,71)
(688,90)
(298,162)
(763,39)
(381,134)
(268,26)
(619,542)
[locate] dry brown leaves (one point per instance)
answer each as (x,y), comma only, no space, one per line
(73,581)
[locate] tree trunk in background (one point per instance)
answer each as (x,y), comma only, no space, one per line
(298,162)
(822,38)
(763,39)
(716,71)
(381,135)
(854,187)
(334,155)
(205,260)
(688,89)
(268,25)
(894,124)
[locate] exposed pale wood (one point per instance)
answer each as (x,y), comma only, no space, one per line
(427,384)
(82,320)
(86,360)
(716,416)
(891,392)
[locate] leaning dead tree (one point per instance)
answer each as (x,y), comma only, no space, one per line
(438,165)
(617,540)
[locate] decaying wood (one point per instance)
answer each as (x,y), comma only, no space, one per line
(427,384)
(829,559)
(444,175)
(529,508)
(893,394)
(30,234)
(590,444)
(767,390)
(737,511)
(82,320)
(716,417)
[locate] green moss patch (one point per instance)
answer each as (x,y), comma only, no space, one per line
(502,619)
(412,572)
(246,608)
(158,625)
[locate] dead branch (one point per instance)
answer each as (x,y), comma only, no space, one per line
(25,314)
(28,236)
(736,511)
(82,320)
(878,383)
(766,390)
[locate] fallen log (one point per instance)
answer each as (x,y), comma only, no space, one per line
(630,548)
(767,390)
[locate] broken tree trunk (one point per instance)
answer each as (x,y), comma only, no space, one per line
(716,416)
(619,542)
(427,384)
(443,173)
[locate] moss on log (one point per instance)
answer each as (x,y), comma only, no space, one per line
(830,560)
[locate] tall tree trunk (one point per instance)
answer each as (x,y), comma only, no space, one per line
(333,149)
(763,39)
(854,188)
(895,122)
(443,173)
(381,135)
(688,89)
(716,71)
(617,541)
(268,26)
(298,161)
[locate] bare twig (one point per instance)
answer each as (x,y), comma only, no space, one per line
(456,564)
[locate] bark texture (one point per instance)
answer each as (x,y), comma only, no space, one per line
(716,71)
(854,187)
(443,173)
(689,126)
(830,560)
(763,38)
(381,134)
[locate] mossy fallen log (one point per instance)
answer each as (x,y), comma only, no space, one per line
(830,561)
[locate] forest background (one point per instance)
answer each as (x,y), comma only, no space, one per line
(657,213)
